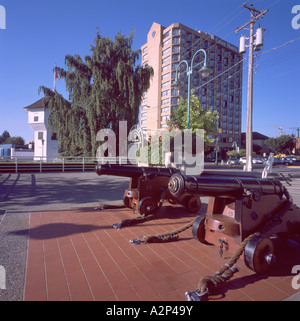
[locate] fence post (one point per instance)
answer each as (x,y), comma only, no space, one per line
(2,278)
(63,164)
(16,164)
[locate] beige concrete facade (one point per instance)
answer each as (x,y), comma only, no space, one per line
(222,91)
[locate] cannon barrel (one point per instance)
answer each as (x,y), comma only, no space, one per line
(221,186)
(133,171)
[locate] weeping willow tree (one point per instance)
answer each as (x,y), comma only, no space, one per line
(104,88)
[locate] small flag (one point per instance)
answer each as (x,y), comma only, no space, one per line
(55,77)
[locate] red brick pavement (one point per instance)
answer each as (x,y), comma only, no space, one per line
(76,255)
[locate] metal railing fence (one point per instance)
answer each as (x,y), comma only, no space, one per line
(23,164)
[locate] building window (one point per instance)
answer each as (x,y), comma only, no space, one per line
(174,92)
(176,32)
(165,101)
(166,59)
(165,118)
(145,56)
(53,136)
(143,122)
(175,49)
(36,118)
(165,52)
(167,34)
(167,42)
(176,40)
(144,115)
(165,76)
(175,57)
(165,84)
(165,110)
(174,101)
(165,93)
(145,49)
(165,68)
(40,135)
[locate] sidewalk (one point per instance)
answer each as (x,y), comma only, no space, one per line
(77,255)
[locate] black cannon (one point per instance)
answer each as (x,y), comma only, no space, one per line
(148,187)
(238,208)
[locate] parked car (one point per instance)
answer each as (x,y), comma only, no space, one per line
(282,161)
(232,161)
(291,157)
(243,160)
(257,160)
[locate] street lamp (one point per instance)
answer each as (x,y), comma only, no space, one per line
(204,72)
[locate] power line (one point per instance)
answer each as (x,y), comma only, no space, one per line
(278,59)
(284,44)
(207,36)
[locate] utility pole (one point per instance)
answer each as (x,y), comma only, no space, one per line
(297,129)
(280,130)
(255,15)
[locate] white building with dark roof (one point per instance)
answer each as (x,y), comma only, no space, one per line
(45,142)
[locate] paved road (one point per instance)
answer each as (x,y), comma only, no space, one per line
(54,191)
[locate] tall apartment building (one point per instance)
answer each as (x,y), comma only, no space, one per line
(221,91)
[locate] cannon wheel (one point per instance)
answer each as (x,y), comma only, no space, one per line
(259,254)
(193,204)
(147,206)
(198,229)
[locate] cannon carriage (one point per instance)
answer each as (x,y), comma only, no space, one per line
(238,209)
(148,187)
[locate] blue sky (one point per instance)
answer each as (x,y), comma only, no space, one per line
(41,33)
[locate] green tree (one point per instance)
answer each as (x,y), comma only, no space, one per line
(283,144)
(199,118)
(104,88)
(16,140)
(5,138)
(241,153)
(5,135)
(233,153)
